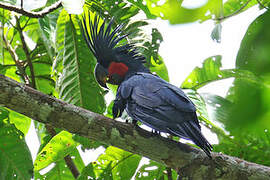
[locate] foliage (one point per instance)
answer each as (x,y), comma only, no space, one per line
(57,62)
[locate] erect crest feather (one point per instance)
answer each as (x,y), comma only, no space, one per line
(103,41)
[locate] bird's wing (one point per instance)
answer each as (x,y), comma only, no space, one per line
(163,107)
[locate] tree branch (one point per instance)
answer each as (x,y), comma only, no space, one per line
(26,52)
(190,162)
(16,60)
(39,14)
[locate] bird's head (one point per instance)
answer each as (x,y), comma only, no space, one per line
(114,61)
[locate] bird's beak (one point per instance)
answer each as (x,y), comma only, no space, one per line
(101,75)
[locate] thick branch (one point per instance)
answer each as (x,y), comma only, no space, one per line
(190,162)
(31,14)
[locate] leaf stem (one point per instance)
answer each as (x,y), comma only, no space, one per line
(234,13)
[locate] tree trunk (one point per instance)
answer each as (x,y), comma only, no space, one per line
(190,162)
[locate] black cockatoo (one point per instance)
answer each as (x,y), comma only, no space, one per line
(145,97)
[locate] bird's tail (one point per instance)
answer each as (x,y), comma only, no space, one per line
(190,130)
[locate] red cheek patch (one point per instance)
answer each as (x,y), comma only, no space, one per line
(118,68)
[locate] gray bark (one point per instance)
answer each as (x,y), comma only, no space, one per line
(190,162)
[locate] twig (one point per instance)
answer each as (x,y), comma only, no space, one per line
(21,4)
(234,13)
(39,14)
(261,4)
(15,58)
(69,162)
(169,173)
(27,53)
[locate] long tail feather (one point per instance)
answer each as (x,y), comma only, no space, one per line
(190,130)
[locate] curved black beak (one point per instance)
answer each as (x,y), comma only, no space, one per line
(101,75)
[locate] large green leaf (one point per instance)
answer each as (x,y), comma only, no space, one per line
(252,108)
(60,170)
(119,163)
(77,84)
(42,66)
(57,148)
(211,71)
(31,28)
(47,27)
(254,53)
(15,158)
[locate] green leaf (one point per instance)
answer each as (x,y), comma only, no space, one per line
(158,66)
(143,7)
(87,173)
(42,66)
(47,27)
(254,53)
(232,6)
(206,115)
(60,169)
(21,122)
(153,170)
(59,146)
(3,115)
(10,71)
(77,84)
(173,11)
(15,158)
(31,29)
(211,71)
(122,164)
(87,143)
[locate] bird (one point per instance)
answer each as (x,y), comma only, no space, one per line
(144,96)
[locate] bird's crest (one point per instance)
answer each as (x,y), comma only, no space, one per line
(104,41)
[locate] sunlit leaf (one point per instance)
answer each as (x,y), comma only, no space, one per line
(154,170)
(211,71)
(176,13)
(122,164)
(59,169)
(77,84)
(47,27)
(10,71)
(59,146)
(21,122)
(232,6)
(142,5)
